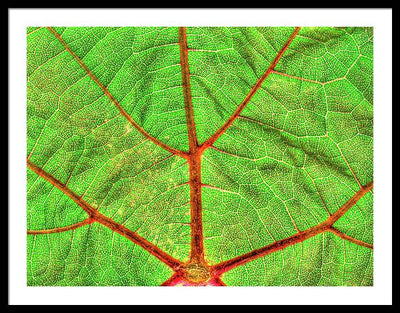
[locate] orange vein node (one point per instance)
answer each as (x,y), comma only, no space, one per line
(197,273)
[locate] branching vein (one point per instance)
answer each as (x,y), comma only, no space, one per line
(114,101)
(250,95)
(327,225)
(106,221)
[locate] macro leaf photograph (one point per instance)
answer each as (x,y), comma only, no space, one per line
(199,156)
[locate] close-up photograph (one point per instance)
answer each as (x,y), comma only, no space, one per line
(200,153)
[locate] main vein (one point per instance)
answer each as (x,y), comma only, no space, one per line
(187,95)
(114,101)
(95,216)
(194,160)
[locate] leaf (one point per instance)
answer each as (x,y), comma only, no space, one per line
(199,156)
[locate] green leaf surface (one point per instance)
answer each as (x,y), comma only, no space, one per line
(199,156)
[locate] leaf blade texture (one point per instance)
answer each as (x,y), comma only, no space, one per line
(200,156)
